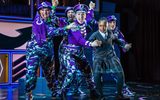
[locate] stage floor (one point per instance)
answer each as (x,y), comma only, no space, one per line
(142,91)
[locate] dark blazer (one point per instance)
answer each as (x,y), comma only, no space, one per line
(106,49)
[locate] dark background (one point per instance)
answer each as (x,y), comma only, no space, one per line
(140,24)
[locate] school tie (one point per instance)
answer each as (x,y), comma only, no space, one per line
(106,35)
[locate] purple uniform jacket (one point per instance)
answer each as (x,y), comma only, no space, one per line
(75,37)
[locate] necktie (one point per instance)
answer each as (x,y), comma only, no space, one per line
(106,35)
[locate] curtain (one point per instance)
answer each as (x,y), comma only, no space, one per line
(140,21)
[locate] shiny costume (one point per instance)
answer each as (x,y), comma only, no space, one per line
(40,50)
(61,55)
(85,28)
(75,58)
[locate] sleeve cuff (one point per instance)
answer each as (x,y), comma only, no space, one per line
(53,7)
(87,43)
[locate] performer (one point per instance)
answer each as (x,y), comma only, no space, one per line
(75,58)
(70,17)
(63,21)
(40,49)
(105,59)
(112,26)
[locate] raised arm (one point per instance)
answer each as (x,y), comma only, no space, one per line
(55,3)
(90,13)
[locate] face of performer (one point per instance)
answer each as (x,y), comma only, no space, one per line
(70,14)
(102,26)
(111,25)
(44,13)
(81,16)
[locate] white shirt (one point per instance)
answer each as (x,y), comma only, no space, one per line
(103,34)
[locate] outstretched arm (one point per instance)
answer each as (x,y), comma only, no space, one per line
(61,31)
(80,39)
(120,40)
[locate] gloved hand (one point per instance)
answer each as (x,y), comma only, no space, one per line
(128,46)
(92,5)
(72,25)
(96,43)
(55,3)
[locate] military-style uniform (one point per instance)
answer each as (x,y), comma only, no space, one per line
(85,28)
(74,55)
(40,49)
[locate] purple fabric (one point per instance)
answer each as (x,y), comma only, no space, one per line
(81,7)
(111,18)
(39,29)
(121,36)
(45,5)
(62,22)
(77,38)
(90,15)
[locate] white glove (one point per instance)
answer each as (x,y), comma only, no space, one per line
(96,43)
(128,46)
(55,3)
(72,25)
(91,5)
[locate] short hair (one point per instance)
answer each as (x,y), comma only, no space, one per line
(103,19)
